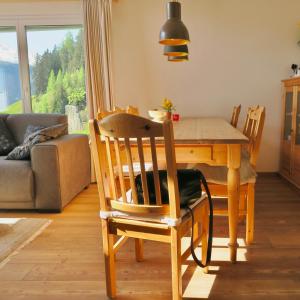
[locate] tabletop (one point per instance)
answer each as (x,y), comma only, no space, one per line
(207,130)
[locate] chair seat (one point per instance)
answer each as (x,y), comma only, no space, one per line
(152,218)
(218,175)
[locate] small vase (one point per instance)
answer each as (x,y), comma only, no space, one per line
(169,115)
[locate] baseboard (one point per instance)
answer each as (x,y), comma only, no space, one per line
(293,185)
(268,174)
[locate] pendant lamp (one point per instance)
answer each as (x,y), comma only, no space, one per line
(181,50)
(174,32)
(178,58)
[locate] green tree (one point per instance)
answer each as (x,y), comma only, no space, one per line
(60,99)
(78,56)
(49,60)
(51,93)
(66,52)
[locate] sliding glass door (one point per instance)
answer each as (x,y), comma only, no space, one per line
(57,81)
(10,86)
(42,70)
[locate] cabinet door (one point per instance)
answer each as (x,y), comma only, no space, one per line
(296,154)
(286,146)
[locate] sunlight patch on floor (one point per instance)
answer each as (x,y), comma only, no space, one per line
(223,242)
(9,221)
(200,285)
(220,251)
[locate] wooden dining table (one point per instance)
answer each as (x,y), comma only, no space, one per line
(215,142)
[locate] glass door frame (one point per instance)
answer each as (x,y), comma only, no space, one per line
(286,144)
(296,110)
(14,24)
(295,147)
(288,90)
(20,23)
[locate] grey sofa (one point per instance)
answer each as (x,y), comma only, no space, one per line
(58,170)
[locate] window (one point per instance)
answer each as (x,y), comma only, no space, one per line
(10,92)
(57,81)
(51,75)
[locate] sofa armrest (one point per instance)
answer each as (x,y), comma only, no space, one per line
(62,169)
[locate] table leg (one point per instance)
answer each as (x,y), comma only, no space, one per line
(233,183)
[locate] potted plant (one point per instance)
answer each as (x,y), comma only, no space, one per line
(168,107)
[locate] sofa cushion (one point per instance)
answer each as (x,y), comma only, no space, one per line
(31,129)
(7,142)
(16,181)
(18,123)
(3,116)
(39,136)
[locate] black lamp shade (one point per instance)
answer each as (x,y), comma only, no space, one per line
(178,58)
(174,31)
(181,50)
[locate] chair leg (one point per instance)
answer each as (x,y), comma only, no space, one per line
(242,207)
(176,264)
(109,260)
(250,214)
(139,250)
(204,240)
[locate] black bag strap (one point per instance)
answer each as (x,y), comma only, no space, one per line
(210,231)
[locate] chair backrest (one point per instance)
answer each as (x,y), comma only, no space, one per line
(128,136)
(129,109)
(132,110)
(104,113)
(253,130)
(118,109)
(235,115)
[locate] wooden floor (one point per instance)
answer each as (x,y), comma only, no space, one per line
(65,261)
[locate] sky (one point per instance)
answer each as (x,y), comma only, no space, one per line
(38,41)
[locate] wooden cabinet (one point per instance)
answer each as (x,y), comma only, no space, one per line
(290,137)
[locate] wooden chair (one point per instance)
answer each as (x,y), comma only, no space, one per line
(235,115)
(121,214)
(132,110)
(217,176)
(118,109)
(104,113)
(129,109)
(255,116)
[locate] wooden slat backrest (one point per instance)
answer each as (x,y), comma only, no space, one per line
(246,125)
(125,131)
(253,130)
(235,115)
(132,110)
(129,109)
(105,113)
(118,109)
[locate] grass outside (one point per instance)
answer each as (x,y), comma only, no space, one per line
(15,108)
(85,129)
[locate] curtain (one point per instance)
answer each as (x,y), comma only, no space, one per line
(99,75)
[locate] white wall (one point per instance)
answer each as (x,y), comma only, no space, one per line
(239,53)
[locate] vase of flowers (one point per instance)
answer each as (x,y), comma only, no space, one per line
(168,107)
